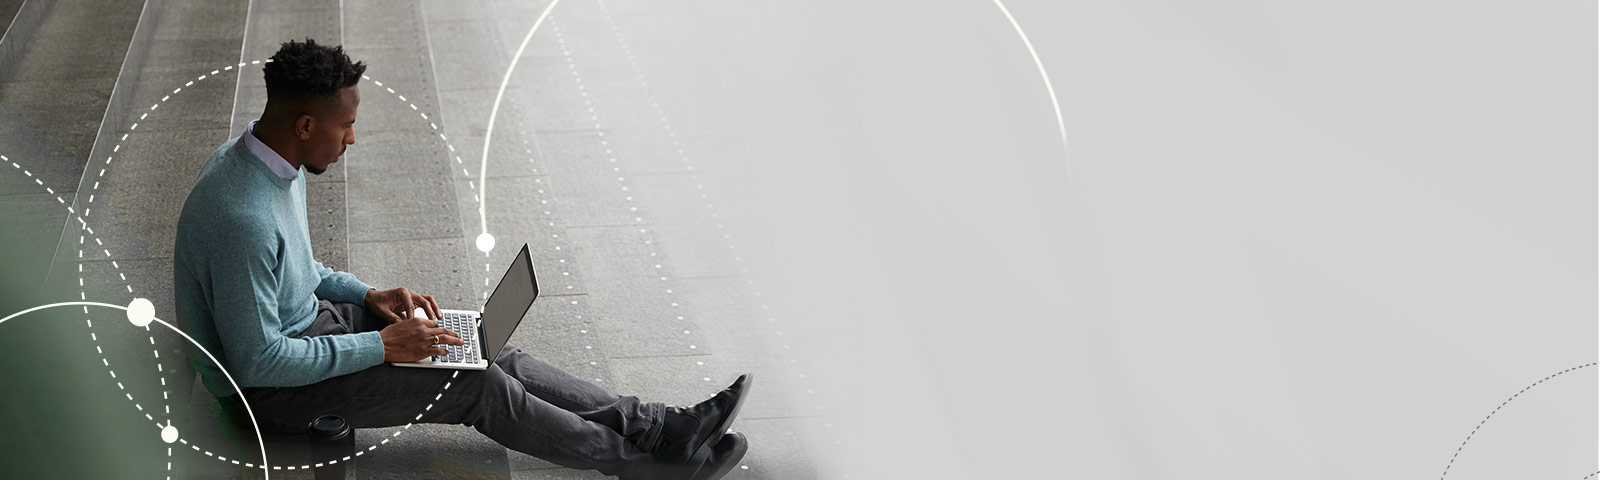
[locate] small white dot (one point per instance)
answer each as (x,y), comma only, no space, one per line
(485,242)
(141,312)
(691,347)
(169,434)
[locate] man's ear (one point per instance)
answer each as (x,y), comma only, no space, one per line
(303,126)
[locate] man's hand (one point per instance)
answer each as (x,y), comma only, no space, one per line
(415,339)
(396,304)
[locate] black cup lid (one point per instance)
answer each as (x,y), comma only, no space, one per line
(329,426)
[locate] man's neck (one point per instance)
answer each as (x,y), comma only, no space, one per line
(279,139)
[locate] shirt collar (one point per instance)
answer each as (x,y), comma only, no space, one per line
(279,166)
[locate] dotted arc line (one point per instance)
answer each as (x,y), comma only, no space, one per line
(82,295)
(88,207)
(144,318)
(666,125)
(1497,410)
(447,384)
(562,265)
(118,147)
(622,179)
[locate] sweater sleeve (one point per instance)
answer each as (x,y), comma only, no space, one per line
(340,287)
(245,310)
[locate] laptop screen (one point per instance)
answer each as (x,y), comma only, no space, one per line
(508,303)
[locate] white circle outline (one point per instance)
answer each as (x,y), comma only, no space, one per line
(262,442)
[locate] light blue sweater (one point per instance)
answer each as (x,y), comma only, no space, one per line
(246,282)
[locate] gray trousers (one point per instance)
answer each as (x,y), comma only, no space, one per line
(520,401)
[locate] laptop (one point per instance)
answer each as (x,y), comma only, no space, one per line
(484,334)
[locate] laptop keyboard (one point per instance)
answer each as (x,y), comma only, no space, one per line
(467,326)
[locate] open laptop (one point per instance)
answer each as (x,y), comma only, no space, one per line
(484,334)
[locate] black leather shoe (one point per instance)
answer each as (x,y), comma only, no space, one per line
(719,460)
(724,455)
(689,433)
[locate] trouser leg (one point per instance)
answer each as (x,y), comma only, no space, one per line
(637,420)
(491,401)
(627,415)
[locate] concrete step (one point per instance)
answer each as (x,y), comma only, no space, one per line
(8,12)
(58,63)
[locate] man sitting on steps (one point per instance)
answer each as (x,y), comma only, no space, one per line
(303,340)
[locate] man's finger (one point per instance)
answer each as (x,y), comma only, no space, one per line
(422,304)
(437,351)
(445,337)
(405,301)
(443,334)
(434,305)
(452,339)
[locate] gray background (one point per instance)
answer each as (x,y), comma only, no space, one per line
(1282,240)
(1288,239)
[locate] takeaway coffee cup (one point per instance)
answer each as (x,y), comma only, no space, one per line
(331,440)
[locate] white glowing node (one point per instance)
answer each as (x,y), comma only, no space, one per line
(141,312)
(485,242)
(169,434)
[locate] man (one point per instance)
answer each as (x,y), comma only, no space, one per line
(303,340)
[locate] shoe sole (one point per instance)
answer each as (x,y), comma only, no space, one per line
(725,467)
(704,450)
(699,461)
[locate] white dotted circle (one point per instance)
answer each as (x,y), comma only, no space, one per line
(135,319)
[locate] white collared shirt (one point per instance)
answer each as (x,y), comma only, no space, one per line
(274,161)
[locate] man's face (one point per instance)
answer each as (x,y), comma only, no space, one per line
(332,131)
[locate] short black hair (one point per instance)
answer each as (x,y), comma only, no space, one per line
(303,71)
